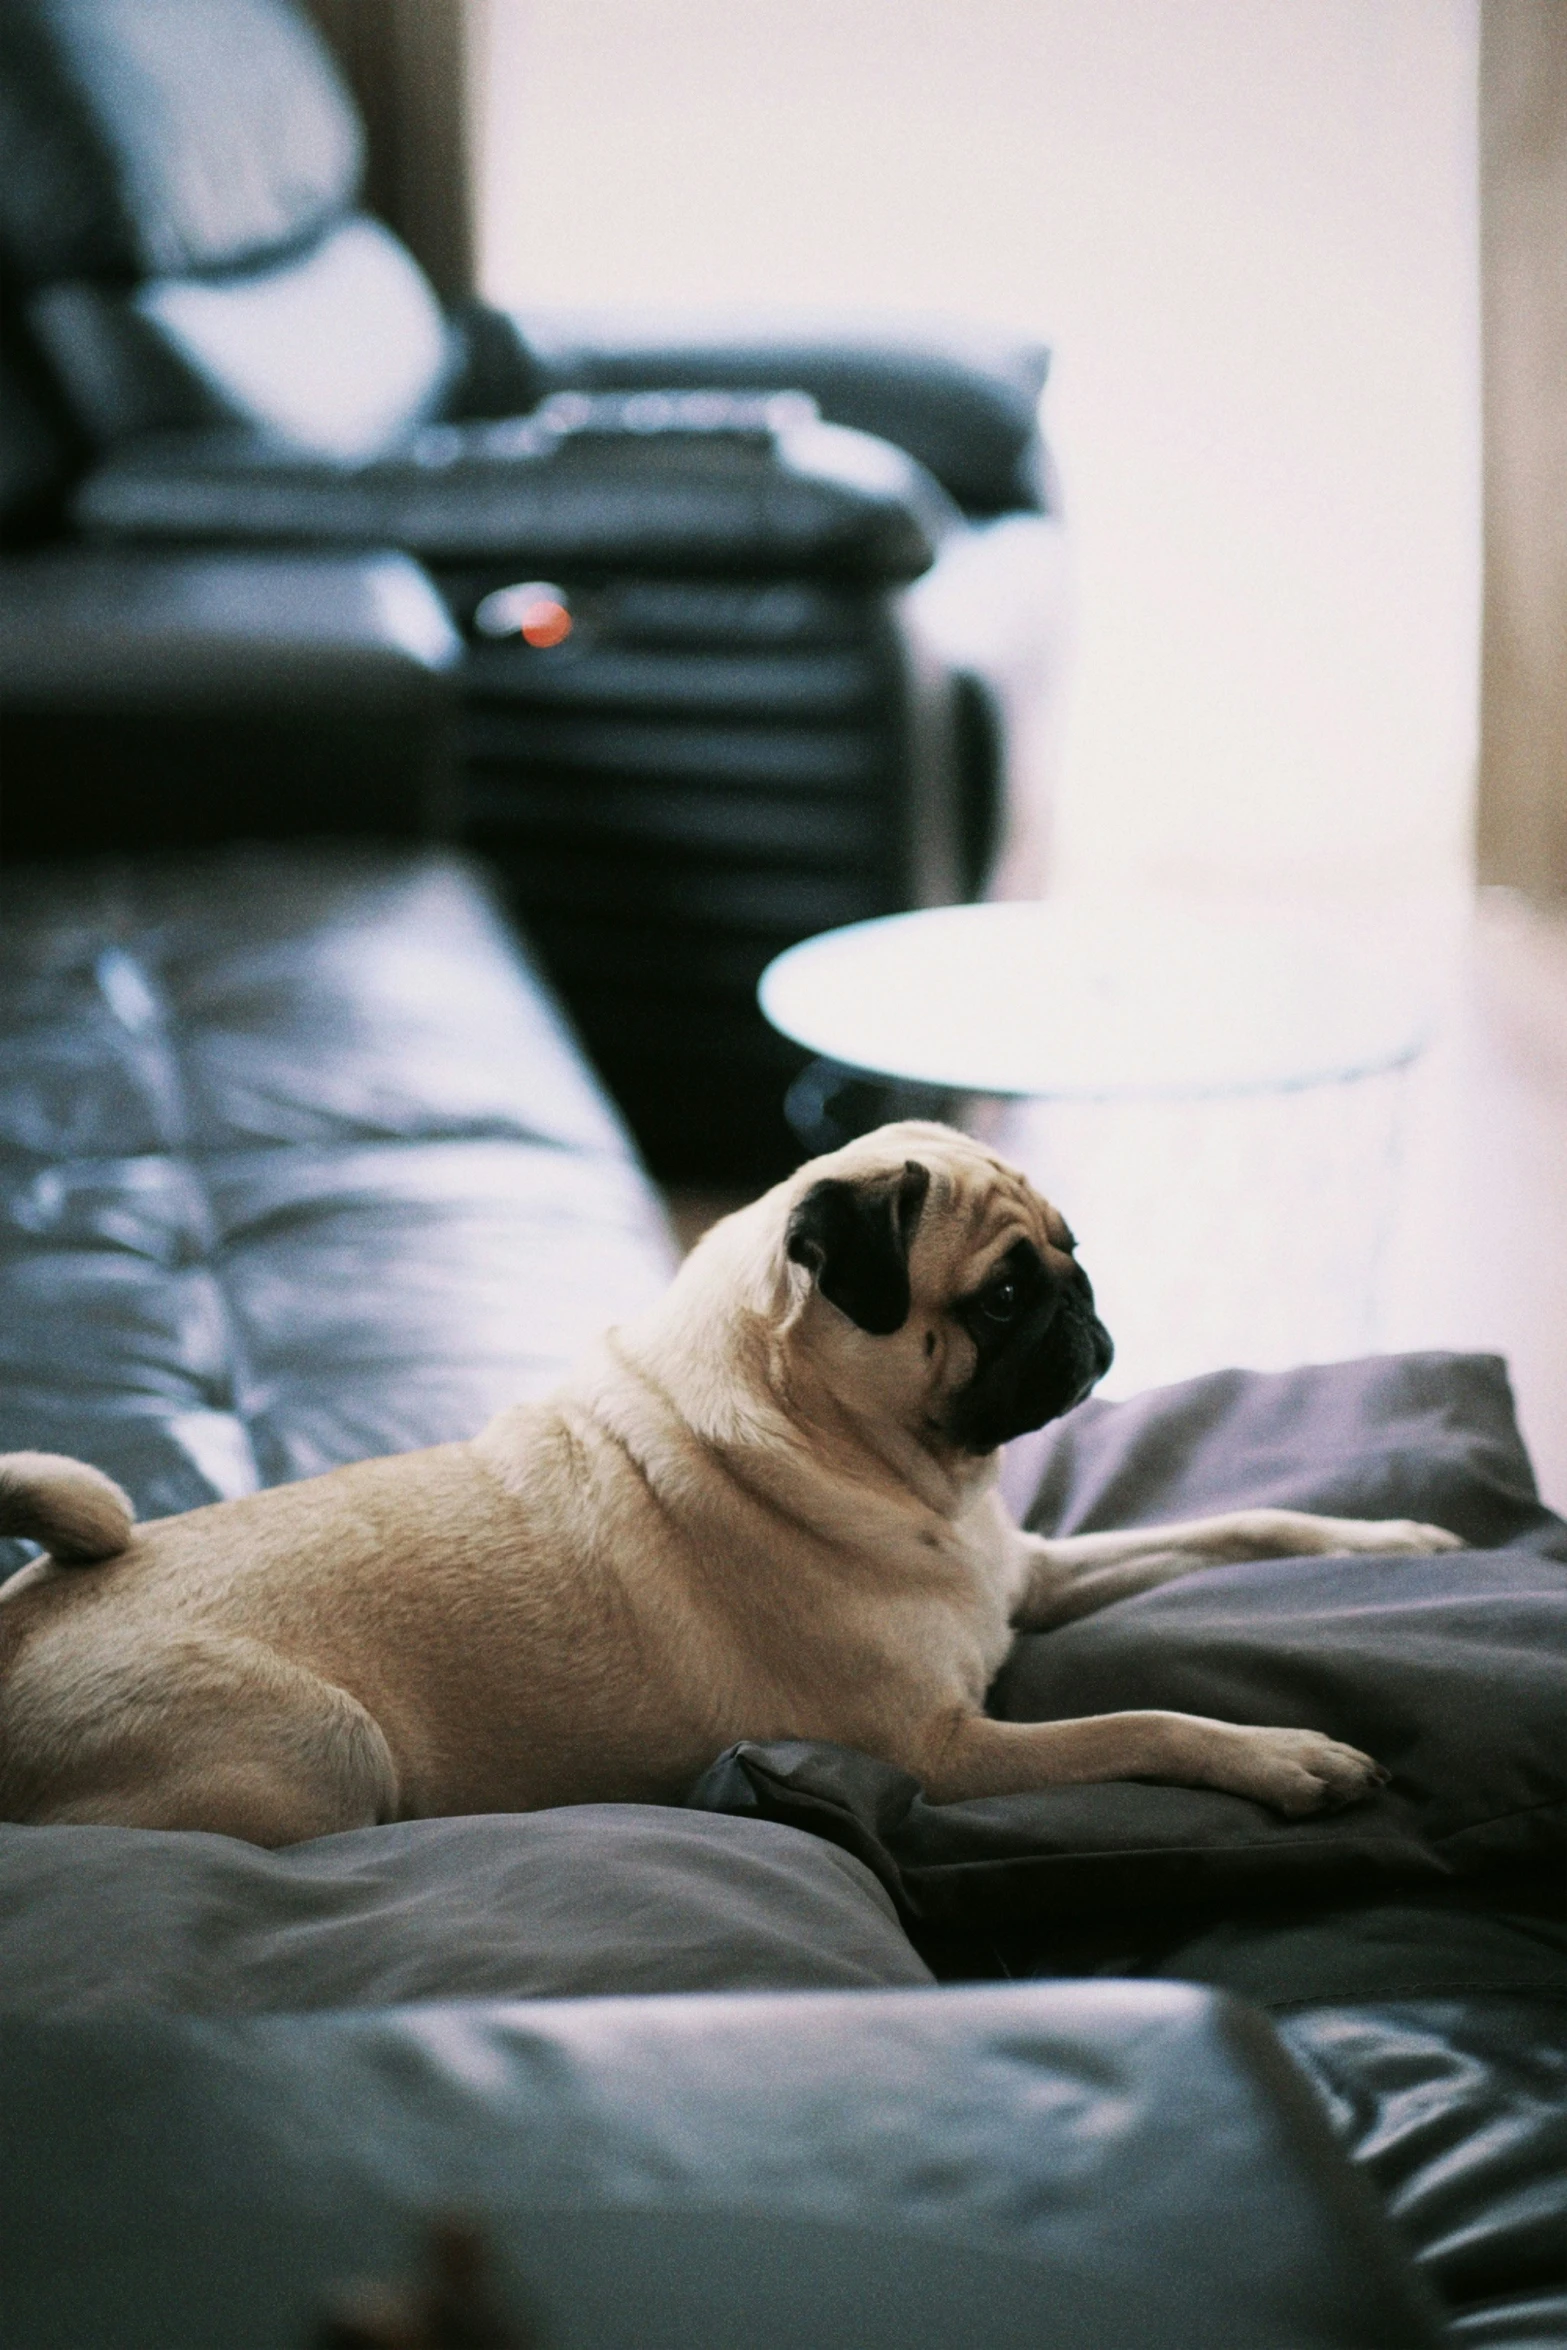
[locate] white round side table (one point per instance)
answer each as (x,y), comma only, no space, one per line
(1212,1098)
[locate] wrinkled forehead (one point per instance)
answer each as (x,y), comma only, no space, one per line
(978,1206)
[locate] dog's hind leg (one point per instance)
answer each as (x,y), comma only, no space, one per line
(195,1732)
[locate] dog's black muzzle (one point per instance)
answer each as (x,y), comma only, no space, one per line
(1036,1368)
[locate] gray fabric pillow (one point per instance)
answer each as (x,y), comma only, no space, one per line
(600,1898)
(1430,1436)
(1451,1669)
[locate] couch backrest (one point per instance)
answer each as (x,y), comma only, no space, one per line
(177,189)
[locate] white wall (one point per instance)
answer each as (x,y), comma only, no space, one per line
(1248,227)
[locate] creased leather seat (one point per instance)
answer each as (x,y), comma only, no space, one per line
(299,1163)
(1456,2109)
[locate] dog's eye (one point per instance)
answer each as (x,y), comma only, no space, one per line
(998,1302)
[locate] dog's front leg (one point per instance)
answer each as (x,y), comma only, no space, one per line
(968,1754)
(1070,1575)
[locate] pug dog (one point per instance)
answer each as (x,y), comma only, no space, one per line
(767,1509)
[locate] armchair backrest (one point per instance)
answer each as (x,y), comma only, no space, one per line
(178,181)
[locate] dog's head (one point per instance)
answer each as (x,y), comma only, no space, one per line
(947,1285)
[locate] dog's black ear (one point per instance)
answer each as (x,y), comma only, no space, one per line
(855,1238)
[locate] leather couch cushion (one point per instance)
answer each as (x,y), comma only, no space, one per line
(1099,2166)
(335,352)
(150,630)
(1456,2110)
(298,1163)
(174,697)
(152,140)
(598,1898)
(792,495)
(1452,1669)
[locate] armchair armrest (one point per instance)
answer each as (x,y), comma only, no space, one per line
(164,696)
(672,482)
(963,402)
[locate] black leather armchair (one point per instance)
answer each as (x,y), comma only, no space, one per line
(810,574)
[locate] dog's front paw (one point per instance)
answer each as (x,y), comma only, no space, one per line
(1390,1537)
(1299,1771)
(1407,1535)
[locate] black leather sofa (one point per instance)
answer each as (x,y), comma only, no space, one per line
(812,573)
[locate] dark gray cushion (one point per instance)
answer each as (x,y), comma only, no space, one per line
(1429,1436)
(1442,1939)
(1452,1669)
(147,140)
(599,1898)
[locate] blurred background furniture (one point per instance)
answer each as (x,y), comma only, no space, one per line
(168,698)
(802,646)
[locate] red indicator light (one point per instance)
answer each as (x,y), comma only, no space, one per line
(534,609)
(545,623)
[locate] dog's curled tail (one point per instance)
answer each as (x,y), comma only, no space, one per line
(77,1513)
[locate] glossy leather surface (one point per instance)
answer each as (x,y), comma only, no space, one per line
(175,697)
(1100,2167)
(298,1162)
(812,498)
(122,629)
(1456,2109)
(338,351)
